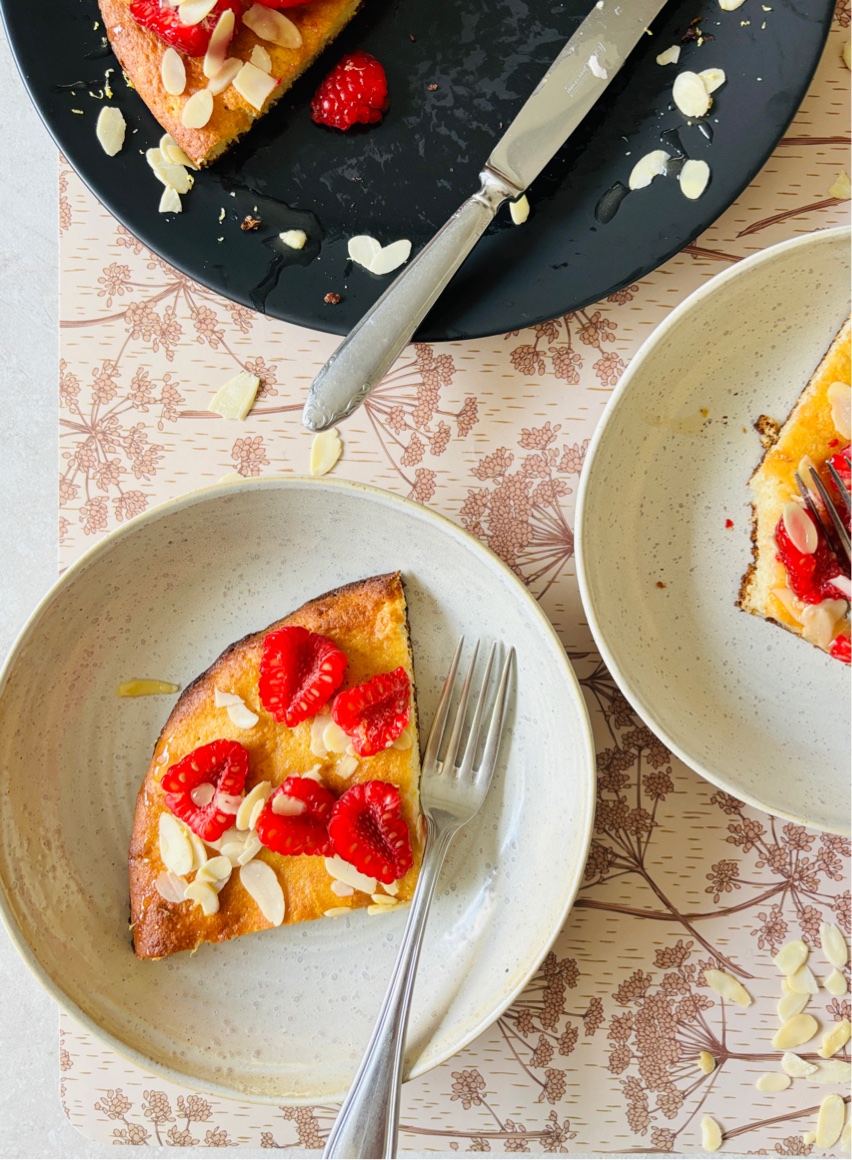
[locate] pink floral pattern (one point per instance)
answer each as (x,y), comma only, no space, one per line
(599,1052)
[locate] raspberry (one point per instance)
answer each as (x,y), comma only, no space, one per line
(304,828)
(355,92)
(299,672)
(809,574)
(221,765)
(192,39)
(841,649)
(374,714)
(368,830)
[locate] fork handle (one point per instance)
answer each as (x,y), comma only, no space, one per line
(369,1118)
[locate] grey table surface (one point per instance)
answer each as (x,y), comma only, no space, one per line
(32,1124)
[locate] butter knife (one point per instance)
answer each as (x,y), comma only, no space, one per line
(565,94)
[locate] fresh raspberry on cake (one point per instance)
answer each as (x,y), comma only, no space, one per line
(355,92)
(192,39)
(375,713)
(299,673)
(203,789)
(295,818)
(369,831)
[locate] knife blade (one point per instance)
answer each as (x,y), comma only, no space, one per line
(568,90)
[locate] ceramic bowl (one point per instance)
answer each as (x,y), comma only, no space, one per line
(663,529)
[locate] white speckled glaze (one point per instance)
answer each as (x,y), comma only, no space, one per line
(750,707)
(282,1016)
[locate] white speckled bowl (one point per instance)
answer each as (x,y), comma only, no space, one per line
(752,708)
(281,1016)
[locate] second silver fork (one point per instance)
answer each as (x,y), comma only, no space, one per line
(450,794)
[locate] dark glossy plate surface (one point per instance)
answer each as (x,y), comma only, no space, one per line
(403,178)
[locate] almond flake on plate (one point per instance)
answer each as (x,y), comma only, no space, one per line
(834,1039)
(834,1071)
(236,397)
(326,449)
(271,25)
(793,1065)
(392,257)
(772,1081)
(711,1134)
(730,5)
(832,1113)
(173,72)
(110,129)
(835,983)
(172,152)
(670,56)
(713,78)
(690,95)
(198,109)
(728,987)
(693,178)
(170,201)
(519,210)
(803,982)
(171,175)
(262,884)
(378,259)
(295,239)
(797,1030)
(336,911)
(374,908)
(791,1003)
(253,84)
(652,165)
(791,956)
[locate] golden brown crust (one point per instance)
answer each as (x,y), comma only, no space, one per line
(140,52)
(809,431)
(368,620)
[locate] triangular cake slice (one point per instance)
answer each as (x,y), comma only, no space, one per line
(207,860)
(795,579)
(276,45)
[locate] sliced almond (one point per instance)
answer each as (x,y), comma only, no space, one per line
(802,981)
(273,26)
(363,249)
(173,72)
(346,872)
(670,55)
(199,850)
(170,201)
(819,621)
(194,11)
(318,726)
(251,849)
(730,5)
(713,78)
(846,1134)
(170,886)
(262,884)
(347,765)
(222,698)
(173,153)
(728,987)
(772,1081)
(261,59)
(175,846)
(326,449)
(800,528)
(334,739)
(840,399)
(173,176)
(834,1071)
(242,716)
(693,178)
(232,834)
(217,49)
(832,1113)
(846,57)
(253,84)
(336,911)
(295,239)
(652,165)
(835,983)
(706,1062)
(808,1138)
(711,1134)
(144,688)
(690,95)
(341,889)
(216,869)
(258,794)
(384,900)
(225,76)
(834,1039)
(392,257)
(790,602)
(791,1003)
(796,1031)
(374,908)
(793,1065)
(287,807)
(233,850)
(393,889)
(110,129)
(236,397)
(198,110)
(792,956)
(204,894)
(405,739)
(228,803)
(519,210)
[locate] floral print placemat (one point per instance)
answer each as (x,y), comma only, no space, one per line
(599,1055)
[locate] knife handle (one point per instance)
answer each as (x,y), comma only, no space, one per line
(369,350)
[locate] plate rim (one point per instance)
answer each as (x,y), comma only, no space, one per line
(585,771)
(830,236)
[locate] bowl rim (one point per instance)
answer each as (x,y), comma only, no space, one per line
(828,237)
(585,774)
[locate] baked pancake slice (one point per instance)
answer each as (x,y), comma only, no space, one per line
(208,82)
(796,579)
(285,783)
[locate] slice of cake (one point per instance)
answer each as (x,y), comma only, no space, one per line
(285,783)
(796,579)
(207,69)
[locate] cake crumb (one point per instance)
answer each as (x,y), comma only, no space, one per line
(332,298)
(249,222)
(661,584)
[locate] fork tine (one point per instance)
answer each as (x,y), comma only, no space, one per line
(495,725)
(841,486)
(807,496)
(473,736)
(436,733)
(834,515)
(458,724)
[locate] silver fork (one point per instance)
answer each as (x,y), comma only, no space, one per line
(450,795)
(841,535)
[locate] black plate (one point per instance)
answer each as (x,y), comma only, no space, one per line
(403,178)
